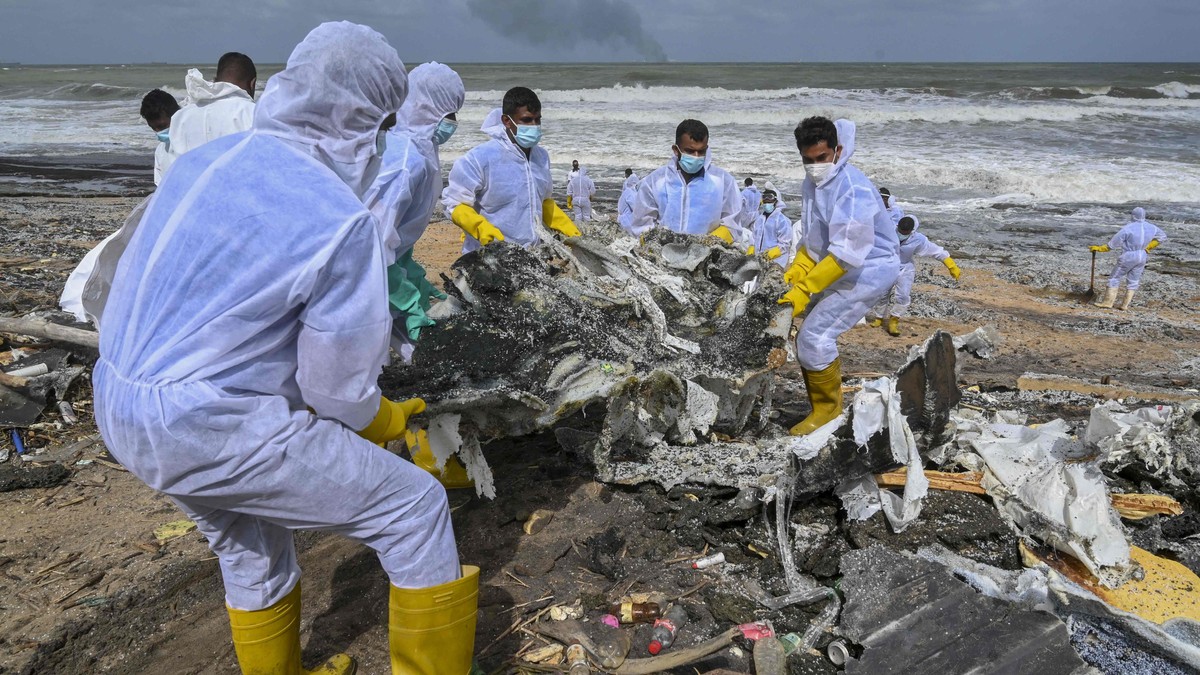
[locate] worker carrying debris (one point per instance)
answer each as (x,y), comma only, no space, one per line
(238,372)
(500,190)
(1134,242)
(848,259)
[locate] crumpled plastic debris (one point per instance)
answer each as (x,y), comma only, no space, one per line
(1123,437)
(876,409)
(1049,486)
(983,342)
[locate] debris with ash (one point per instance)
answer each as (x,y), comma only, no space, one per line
(25,477)
(630,349)
(928,386)
(943,625)
(1145,436)
(24,398)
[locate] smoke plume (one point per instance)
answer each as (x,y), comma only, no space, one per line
(565,22)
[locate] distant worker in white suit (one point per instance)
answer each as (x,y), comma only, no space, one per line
(579,192)
(214,109)
(1134,242)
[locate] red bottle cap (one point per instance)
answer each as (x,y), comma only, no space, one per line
(654,648)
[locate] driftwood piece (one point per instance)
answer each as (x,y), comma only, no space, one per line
(51,331)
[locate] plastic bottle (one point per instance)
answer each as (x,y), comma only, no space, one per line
(819,625)
(636,612)
(769,657)
(714,559)
(577,659)
(791,642)
(666,628)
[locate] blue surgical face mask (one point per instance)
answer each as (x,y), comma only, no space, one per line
(380,143)
(690,164)
(164,136)
(904,237)
(767,208)
(445,129)
(527,135)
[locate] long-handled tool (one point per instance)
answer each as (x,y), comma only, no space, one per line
(1092,286)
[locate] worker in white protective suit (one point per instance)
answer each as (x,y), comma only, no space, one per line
(625,202)
(848,259)
(243,337)
(1134,243)
(889,202)
(403,198)
(771,233)
(500,190)
(689,194)
(214,109)
(751,200)
(580,190)
(570,177)
(157,109)
(894,304)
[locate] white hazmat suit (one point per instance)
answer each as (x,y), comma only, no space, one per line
(897,301)
(245,331)
(213,110)
(773,230)
(625,203)
(844,216)
(581,188)
(710,199)
(1131,242)
(751,200)
(502,185)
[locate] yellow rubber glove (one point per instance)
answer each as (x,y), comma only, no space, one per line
(1099,249)
(570,202)
(723,234)
(800,268)
(798,299)
(475,225)
(1152,245)
(821,277)
(953,267)
(391,421)
(774,252)
(750,251)
(555,219)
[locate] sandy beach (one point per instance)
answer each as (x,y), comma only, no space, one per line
(85,586)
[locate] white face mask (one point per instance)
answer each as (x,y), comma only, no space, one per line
(818,172)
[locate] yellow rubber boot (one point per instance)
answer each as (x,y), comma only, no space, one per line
(431,631)
(1110,296)
(452,476)
(1127,299)
(893,326)
(267,641)
(825,395)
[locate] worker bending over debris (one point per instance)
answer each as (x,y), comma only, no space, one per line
(500,190)
(237,373)
(848,259)
(1134,242)
(771,233)
(913,244)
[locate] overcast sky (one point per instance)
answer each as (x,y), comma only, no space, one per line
(175,31)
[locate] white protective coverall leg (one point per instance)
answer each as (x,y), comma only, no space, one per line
(244,334)
(844,216)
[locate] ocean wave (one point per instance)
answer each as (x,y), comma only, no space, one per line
(1178,90)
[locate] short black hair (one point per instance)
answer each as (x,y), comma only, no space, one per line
(158,104)
(236,67)
(749,182)
(694,129)
(520,97)
(906,225)
(813,130)
(628,173)
(884,192)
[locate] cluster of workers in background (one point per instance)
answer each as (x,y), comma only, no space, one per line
(246,325)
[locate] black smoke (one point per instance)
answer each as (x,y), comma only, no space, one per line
(566,22)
